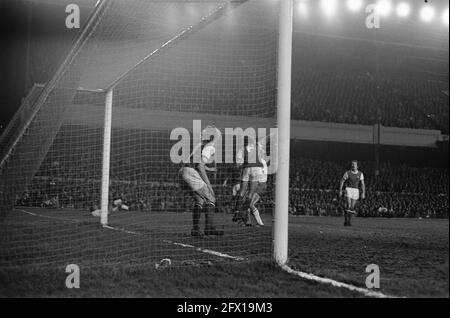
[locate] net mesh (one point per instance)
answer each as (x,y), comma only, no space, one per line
(168,63)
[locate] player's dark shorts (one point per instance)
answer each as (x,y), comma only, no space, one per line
(191,180)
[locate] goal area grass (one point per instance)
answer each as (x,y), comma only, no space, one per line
(412,255)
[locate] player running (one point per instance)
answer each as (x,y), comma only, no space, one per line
(195,179)
(353,178)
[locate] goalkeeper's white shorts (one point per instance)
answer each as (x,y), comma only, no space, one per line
(352,193)
(255,174)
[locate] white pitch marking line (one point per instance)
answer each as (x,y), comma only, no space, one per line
(364,291)
(179,244)
(206,251)
(219,254)
(49,217)
(120,230)
(137,233)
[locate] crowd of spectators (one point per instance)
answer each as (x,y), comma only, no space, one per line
(359,98)
(317,174)
(396,191)
(376,204)
(392,190)
(363,99)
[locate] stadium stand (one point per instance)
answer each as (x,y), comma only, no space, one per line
(397,191)
(358,99)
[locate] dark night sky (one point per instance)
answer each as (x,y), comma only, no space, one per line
(13,38)
(47,28)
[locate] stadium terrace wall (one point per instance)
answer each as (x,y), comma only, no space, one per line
(301,130)
(391,136)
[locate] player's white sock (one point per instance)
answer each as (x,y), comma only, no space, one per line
(257,217)
(125,207)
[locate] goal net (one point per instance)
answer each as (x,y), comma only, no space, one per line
(161,68)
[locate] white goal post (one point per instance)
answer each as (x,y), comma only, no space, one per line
(106,157)
(281,220)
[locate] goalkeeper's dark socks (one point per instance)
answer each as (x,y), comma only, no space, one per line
(196,213)
(209,221)
(209,215)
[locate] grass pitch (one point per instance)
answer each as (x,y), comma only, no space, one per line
(36,246)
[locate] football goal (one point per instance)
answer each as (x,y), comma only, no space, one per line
(90,166)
